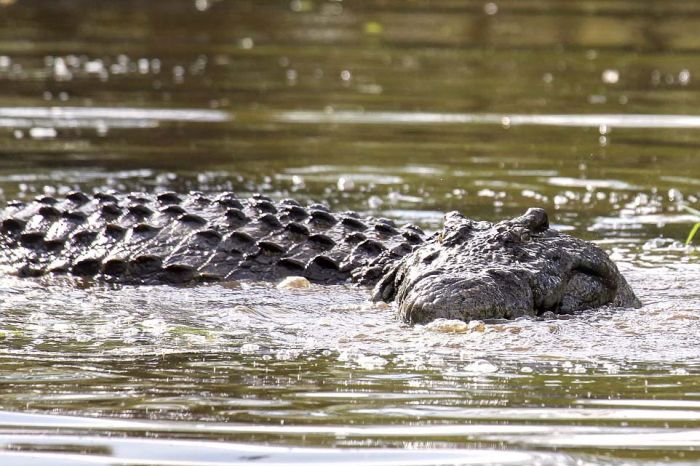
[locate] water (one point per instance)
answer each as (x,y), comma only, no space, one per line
(405,110)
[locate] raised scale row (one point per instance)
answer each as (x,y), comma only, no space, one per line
(170,237)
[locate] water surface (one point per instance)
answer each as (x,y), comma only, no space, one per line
(405,110)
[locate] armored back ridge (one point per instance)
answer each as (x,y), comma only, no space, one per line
(469,270)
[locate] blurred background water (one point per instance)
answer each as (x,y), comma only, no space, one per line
(405,109)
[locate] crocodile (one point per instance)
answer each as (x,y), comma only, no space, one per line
(468,270)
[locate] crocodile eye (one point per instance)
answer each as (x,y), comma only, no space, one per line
(519,235)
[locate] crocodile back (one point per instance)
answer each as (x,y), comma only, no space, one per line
(176,238)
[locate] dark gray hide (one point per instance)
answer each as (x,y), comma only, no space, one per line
(470,270)
(519,267)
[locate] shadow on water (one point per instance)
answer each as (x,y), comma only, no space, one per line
(405,110)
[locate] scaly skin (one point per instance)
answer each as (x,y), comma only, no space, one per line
(470,270)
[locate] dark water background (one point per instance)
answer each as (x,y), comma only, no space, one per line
(406,109)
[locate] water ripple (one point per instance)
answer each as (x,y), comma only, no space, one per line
(606,121)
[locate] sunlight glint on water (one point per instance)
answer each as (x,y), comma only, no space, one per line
(405,111)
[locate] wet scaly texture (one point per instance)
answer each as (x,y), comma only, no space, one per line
(469,271)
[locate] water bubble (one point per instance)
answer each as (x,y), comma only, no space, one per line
(202,5)
(60,70)
(143,65)
(371,362)
(490,8)
(374,202)
(684,77)
(94,66)
(247,43)
(373,28)
(345,184)
(293,283)
(611,76)
(179,73)
(481,366)
(345,75)
(300,6)
(674,195)
(42,133)
(332,9)
(101,128)
(250,348)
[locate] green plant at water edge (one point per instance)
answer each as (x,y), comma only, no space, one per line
(696,227)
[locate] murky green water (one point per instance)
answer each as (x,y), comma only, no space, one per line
(404,109)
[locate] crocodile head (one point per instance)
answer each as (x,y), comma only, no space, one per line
(518,267)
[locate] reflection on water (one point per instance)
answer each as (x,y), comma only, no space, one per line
(605,122)
(387,108)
